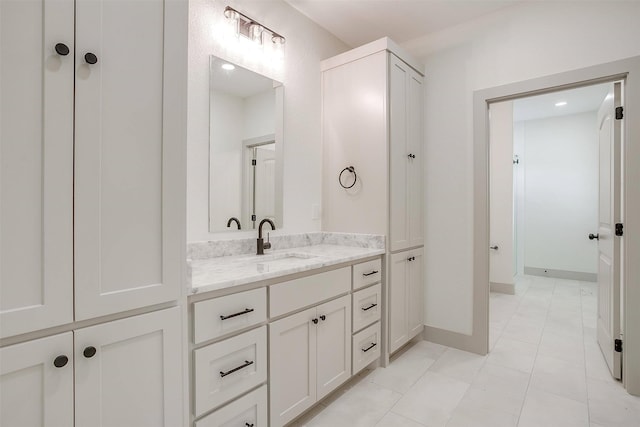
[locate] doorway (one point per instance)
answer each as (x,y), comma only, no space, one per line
(624,70)
(554,196)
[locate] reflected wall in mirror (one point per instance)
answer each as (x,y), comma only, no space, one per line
(245,148)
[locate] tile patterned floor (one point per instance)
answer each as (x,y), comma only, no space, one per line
(544,370)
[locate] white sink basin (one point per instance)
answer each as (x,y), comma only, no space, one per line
(280,261)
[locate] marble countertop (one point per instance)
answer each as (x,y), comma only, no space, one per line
(227,271)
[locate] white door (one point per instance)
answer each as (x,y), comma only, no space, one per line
(398,315)
(415,118)
(127,155)
(608,329)
(399,155)
(129,372)
(415,292)
(333,345)
(36,383)
(292,366)
(36,165)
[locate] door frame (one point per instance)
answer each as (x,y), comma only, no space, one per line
(627,70)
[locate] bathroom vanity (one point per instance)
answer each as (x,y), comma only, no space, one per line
(271,335)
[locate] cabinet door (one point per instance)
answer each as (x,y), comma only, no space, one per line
(134,375)
(292,359)
(128,153)
(398,316)
(333,345)
(415,139)
(34,392)
(415,292)
(36,165)
(398,153)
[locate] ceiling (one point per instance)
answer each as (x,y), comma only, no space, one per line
(356,22)
(580,100)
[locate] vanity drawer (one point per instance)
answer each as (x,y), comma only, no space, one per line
(367,306)
(219,316)
(248,410)
(366,347)
(228,368)
(299,293)
(367,273)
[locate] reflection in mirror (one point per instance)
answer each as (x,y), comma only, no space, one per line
(245,148)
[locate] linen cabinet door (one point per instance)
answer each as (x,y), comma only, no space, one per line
(292,366)
(398,317)
(415,116)
(333,345)
(399,155)
(128,149)
(129,372)
(415,288)
(36,165)
(36,383)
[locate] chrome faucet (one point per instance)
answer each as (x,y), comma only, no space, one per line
(261,245)
(234,219)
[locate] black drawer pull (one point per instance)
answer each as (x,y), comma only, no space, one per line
(246,363)
(246,310)
(248,425)
(372,273)
(370,307)
(373,344)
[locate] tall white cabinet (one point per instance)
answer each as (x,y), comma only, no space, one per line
(92,141)
(372,120)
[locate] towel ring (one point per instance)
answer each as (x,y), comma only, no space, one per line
(352,170)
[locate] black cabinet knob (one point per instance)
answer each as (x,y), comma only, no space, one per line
(248,425)
(60,361)
(62,49)
(90,58)
(89,352)
(594,236)
(323,317)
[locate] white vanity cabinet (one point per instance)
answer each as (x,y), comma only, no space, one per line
(92,141)
(121,373)
(381,136)
(405,302)
(310,356)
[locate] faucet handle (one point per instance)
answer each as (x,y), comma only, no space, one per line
(267,245)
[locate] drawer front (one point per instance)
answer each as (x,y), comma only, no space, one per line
(219,316)
(249,410)
(299,293)
(366,347)
(367,306)
(367,273)
(228,368)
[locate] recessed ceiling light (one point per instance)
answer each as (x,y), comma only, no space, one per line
(561,103)
(228,67)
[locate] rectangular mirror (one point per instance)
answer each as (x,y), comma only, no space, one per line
(245,148)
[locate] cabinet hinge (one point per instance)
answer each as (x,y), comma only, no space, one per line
(253,218)
(617,345)
(254,162)
(619,113)
(619,229)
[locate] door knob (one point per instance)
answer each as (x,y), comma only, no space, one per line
(60,361)
(90,58)
(495,248)
(323,317)
(89,352)
(594,236)
(315,321)
(62,49)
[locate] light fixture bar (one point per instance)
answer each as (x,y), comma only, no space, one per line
(231,13)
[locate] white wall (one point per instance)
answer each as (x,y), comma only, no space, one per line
(518,43)
(501,191)
(307,44)
(259,115)
(561,192)
(518,195)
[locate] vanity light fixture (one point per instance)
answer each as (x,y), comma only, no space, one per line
(253,30)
